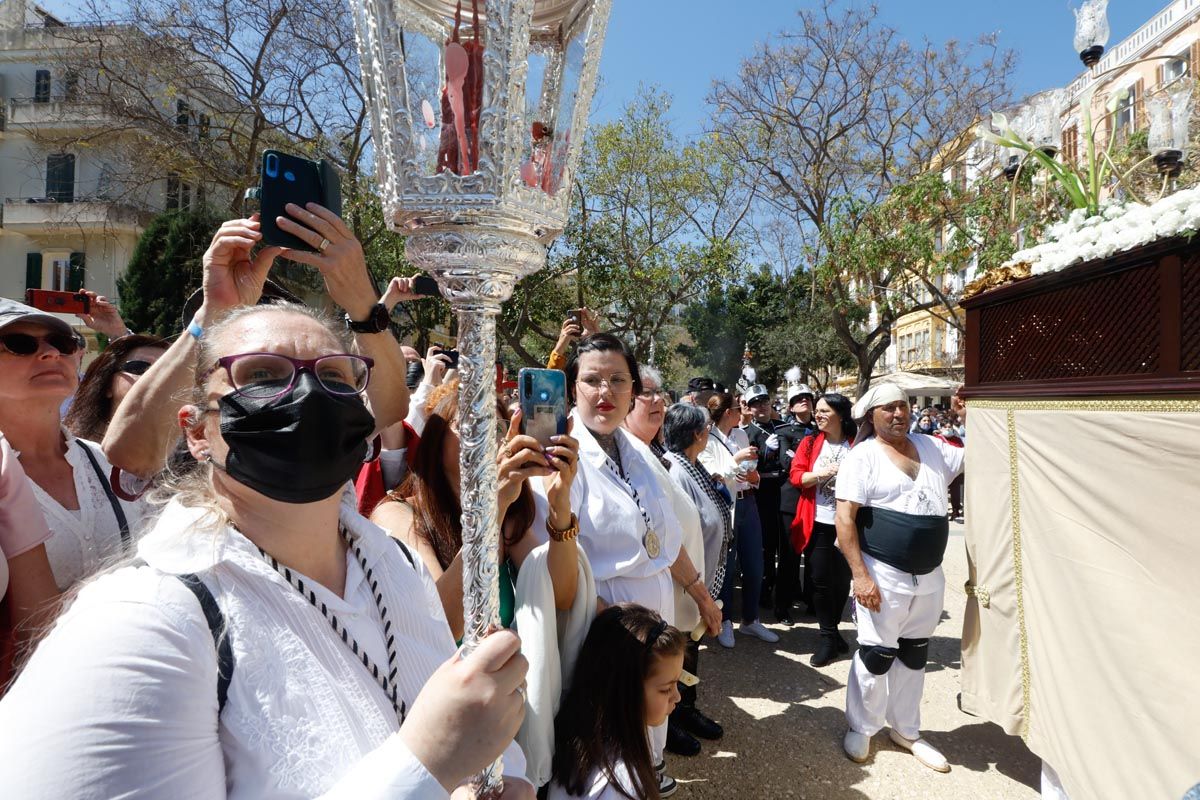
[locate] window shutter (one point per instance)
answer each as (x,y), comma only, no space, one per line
(75,280)
(33,270)
(60,177)
(1071,144)
(1193,58)
(1160,75)
(1139,105)
(41,86)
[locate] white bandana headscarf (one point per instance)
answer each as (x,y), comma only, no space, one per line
(878,395)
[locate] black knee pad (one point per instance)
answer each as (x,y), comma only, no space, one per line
(913,653)
(877,658)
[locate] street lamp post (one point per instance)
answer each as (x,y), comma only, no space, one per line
(478,112)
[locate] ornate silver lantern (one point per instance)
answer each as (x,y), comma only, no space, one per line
(478,111)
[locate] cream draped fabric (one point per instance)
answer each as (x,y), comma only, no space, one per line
(1081,628)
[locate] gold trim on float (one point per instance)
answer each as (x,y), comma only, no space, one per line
(1127,406)
(1018,571)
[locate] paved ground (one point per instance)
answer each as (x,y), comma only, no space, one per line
(784,722)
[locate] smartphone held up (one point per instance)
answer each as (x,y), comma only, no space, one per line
(58,302)
(543,394)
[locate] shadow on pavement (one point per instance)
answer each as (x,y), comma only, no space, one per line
(978,746)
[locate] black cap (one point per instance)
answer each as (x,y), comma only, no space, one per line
(700,384)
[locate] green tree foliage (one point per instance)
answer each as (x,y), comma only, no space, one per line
(655,222)
(777,316)
(164,270)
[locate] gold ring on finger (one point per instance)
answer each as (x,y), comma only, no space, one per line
(324,245)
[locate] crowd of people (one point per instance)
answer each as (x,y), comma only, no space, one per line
(232,563)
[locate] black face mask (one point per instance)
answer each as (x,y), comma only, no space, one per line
(300,447)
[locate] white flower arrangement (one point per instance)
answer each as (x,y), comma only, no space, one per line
(1117,228)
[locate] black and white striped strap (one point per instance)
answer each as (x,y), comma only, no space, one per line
(387,681)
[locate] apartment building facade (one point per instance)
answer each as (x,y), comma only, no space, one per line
(69,220)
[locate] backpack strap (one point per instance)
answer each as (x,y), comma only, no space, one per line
(118,512)
(216,625)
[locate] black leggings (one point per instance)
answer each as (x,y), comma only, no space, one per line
(830,577)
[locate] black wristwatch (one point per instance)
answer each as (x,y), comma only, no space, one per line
(376,321)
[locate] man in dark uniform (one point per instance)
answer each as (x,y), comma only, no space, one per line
(757,400)
(800,405)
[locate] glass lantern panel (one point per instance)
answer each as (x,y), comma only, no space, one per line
(1181,114)
(422,87)
(572,72)
(1158,109)
(443,83)
(540,96)
(1091,25)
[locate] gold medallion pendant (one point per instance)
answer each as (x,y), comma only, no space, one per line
(651,543)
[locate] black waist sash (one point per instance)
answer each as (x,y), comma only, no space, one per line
(909,542)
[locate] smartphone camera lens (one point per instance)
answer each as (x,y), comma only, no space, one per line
(528,385)
(272,165)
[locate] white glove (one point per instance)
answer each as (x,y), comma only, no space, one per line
(773,441)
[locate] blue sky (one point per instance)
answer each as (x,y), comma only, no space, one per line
(681,45)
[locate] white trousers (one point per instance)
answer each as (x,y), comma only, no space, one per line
(657,594)
(893,698)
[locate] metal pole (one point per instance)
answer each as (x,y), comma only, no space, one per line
(478,482)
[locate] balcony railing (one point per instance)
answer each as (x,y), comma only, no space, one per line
(33,215)
(55,112)
(916,358)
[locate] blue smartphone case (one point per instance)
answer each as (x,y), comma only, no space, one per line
(543,403)
(290,179)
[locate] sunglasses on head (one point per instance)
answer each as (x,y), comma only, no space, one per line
(26,344)
(135,367)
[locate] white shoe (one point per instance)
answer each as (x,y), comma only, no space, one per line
(725,637)
(757,629)
(857,746)
(924,752)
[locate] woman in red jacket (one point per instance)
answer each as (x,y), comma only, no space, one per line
(814,470)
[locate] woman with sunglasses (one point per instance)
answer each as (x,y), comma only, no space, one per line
(627,523)
(39,366)
(273,643)
(108,379)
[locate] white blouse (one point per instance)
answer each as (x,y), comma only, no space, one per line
(611,527)
(599,786)
(717,457)
(120,699)
(82,541)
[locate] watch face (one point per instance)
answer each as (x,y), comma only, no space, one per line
(379,317)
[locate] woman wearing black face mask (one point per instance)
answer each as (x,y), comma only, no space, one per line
(274,640)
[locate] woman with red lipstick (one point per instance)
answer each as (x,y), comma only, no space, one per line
(628,527)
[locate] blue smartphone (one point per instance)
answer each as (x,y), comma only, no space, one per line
(290,179)
(543,403)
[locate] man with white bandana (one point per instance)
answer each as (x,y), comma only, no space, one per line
(892,528)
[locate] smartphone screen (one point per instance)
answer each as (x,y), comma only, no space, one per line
(425,285)
(543,403)
(58,302)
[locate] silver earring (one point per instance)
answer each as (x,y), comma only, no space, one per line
(206,455)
